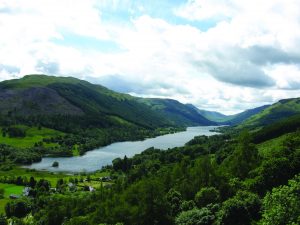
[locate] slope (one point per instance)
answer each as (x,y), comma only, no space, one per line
(86,104)
(211,115)
(176,112)
(271,114)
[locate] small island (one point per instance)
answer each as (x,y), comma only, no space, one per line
(55,164)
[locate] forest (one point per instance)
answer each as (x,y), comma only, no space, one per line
(245,177)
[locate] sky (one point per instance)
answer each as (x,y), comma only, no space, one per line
(220,55)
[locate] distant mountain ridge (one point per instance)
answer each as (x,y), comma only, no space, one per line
(42,95)
(211,115)
(176,111)
(228,120)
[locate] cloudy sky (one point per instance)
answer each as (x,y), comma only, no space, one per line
(223,55)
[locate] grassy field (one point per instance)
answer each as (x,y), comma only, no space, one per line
(52,177)
(33,135)
(8,190)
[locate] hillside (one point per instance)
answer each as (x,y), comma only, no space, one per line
(176,112)
(227,119)
(211,115)
(41,95)
(282,109)
(240,117)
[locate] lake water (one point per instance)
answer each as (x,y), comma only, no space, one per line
(95,159)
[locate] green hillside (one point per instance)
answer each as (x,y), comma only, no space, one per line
(280,110)
(240,117)
(211,115)
(176,112)
(42,95)
(52,96)
(227,119)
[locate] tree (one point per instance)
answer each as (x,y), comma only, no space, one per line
(32,182)
(241,209)
(245,157)
(55,164)
(174,200)
(19,208)
(187,205)
(203,216)
(3,220)
(282,205)
(206,196)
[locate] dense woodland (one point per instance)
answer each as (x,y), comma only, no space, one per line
(222,179)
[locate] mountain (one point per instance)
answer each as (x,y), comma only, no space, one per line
(281,110)
(176,112)
(211,115)
(240,117)
(86,104)
(227,120)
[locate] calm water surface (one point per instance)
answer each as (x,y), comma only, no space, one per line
(95,159)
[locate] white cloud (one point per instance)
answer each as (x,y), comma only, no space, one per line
(203,10)
(249,58)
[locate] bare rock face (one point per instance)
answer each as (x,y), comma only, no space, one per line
(35,101)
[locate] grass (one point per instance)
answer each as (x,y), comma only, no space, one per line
(50,176)
(8,190)
(11,189)
(33,135)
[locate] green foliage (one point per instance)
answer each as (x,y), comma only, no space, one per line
(282,205)
(244,158)
(240,209)
(283,126)
(207,195)
(18,208)
(187,205)
(203,216)
(174,200)
(3,220)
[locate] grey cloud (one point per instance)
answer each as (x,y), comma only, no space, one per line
(262,55)
(9,69)
(47,67)
(244,66)
(239,73)
(121,84)
(292,85)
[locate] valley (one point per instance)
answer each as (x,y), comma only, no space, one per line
(131,160)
